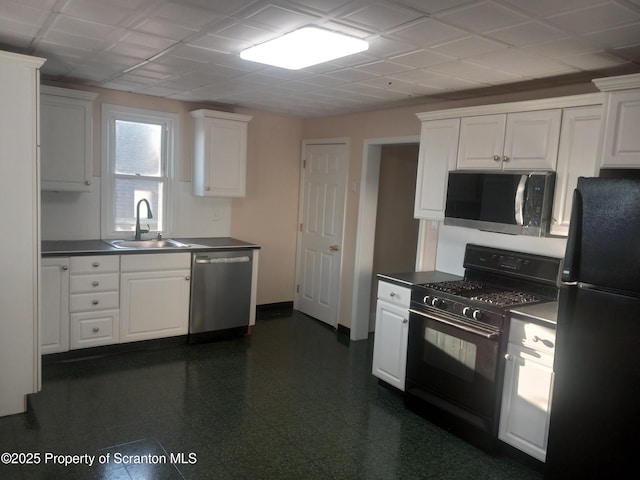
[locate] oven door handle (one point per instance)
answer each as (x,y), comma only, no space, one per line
(466,328)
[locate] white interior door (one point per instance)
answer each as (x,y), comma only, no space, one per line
(324,181)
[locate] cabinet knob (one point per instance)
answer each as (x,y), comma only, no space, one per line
(87,182)
(536,338)
(95,302)
(392,294)
(508,357)
(96,264)
(496,158)
(505,158)
(405,320)
(95,329)
(207,188)
(65,267)
(187,278)
(95,283)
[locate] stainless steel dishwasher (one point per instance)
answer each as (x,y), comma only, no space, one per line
(220,293)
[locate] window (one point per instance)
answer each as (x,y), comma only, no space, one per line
(138,151)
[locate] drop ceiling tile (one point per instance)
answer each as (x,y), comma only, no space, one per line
(280,19)
(616,37)
(599,17)
(468,47)
(480,74)
(562,48)
(347,75)
(631,52)
(527,34)
(435,6)
(439,81)
(23,14)
(99,12)
(382,47)
(380,17)
(547,8)
(20,39)
(521,64)
(422,58)
(83,28)
(147,40)
(59,37)
(482,17)
(382,68)
(196,53)
(225,7)
(424,33)
(593,61)
(164,29)
(131,50)
(186,16)
(246,34)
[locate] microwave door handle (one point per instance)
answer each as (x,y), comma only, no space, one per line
(519,201)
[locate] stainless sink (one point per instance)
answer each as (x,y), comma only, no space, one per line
(147,244)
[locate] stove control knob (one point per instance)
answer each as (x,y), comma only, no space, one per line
(477,314)
(467,312)
(435,302)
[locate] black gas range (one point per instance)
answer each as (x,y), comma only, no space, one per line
(458,336)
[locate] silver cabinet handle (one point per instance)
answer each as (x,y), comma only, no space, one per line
(95,283)
(496,158)
(536,338)
(96,264)
(207,188)
(392,294)
(505,158)
(95,302)
(95,329)
(187,278)
(65,267)
(508,357)
(87,182)
(405,320)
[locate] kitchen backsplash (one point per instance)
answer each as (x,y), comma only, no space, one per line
(76,216)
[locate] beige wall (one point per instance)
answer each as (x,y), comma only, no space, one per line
(268,215)
(392,123)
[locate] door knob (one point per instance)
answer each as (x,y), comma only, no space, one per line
(333,248)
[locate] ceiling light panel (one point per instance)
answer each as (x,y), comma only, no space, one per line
(303,48)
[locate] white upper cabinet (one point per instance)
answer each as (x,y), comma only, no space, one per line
(66,131)
(438,148)
(514,141)
(621,138)
(219,153)
(577,157)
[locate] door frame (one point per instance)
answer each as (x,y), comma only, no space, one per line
(365,234)
(346,142)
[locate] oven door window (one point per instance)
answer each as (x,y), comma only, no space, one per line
(452,363)
(450,353)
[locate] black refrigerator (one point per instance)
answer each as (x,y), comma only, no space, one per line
(594,430)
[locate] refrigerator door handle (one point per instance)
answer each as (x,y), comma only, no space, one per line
(571,262)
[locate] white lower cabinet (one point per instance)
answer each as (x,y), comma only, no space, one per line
(91,329)
(528,383)
(54,306)
(154,296)
(391,334)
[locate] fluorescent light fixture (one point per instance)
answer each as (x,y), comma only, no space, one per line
(303,48)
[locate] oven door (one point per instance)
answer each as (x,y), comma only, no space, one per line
(453,365)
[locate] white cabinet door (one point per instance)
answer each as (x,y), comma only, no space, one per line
(390,343)
(515,141)
(66,119)
(438,149)
(526,399)
(154,305)
(154,300)
(621,142)
(220,153)
(531,140)
(577,157)
(481,142)
(54,309)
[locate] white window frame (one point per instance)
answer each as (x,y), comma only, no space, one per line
(171,124)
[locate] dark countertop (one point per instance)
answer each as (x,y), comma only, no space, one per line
(53,248)
(408,279)
(543,313)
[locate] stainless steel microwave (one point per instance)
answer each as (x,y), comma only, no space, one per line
(517,203)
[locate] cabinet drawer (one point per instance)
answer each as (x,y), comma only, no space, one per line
(82,302)
(95,264)
(94,283)
(95,328)
(532,335)
(395,294)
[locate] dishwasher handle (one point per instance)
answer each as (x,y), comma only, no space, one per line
(208,260)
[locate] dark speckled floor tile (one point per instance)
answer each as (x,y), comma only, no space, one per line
(289,402)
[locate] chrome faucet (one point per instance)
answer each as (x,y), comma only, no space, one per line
(140,231)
